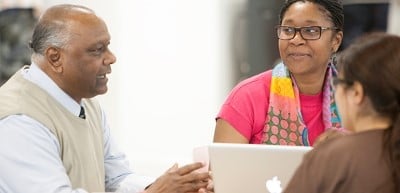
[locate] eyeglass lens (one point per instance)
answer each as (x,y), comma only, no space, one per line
(307,33)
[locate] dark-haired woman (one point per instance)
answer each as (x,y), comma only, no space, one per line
(367,93)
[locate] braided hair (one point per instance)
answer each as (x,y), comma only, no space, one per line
(332,8)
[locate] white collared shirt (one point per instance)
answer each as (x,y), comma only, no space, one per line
(39,168)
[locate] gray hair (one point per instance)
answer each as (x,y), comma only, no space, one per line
(53,27)
(47,34)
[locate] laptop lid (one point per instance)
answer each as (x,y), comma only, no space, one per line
(253,168)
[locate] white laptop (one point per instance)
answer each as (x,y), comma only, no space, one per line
(250,168)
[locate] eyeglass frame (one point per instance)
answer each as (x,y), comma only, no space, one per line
(298,29)
(336,81)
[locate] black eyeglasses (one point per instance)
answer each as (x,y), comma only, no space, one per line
(336,81)
(307,33)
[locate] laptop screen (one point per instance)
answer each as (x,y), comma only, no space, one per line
(254,168)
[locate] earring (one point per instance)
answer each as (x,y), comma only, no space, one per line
(333,60)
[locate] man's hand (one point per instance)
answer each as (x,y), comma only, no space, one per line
(181,180)
(210,186)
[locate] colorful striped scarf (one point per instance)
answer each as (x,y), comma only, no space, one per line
(284,123)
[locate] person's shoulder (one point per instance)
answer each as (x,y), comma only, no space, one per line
(256,86)
(333,144)
(346,146)
(351,140)
(332,149)
(258,77)
(262,79)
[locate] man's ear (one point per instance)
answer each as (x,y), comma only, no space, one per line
(54,58)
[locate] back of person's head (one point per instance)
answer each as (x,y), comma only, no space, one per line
(52,27)
(332,8)
(373,60)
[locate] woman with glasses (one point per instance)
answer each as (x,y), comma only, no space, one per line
(292,104)
(367,92)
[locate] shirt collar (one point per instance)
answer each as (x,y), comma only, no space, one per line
(38,77)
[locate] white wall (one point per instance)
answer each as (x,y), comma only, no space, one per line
(173,71)
(394,17)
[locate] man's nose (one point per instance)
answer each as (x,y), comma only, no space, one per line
(110,58)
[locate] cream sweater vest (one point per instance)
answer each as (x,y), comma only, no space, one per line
(81,140)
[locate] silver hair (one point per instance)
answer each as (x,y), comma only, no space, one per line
(47,34)
(53,27)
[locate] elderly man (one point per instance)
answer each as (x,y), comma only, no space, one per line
(53,134)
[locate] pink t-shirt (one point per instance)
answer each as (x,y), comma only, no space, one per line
(246,108)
